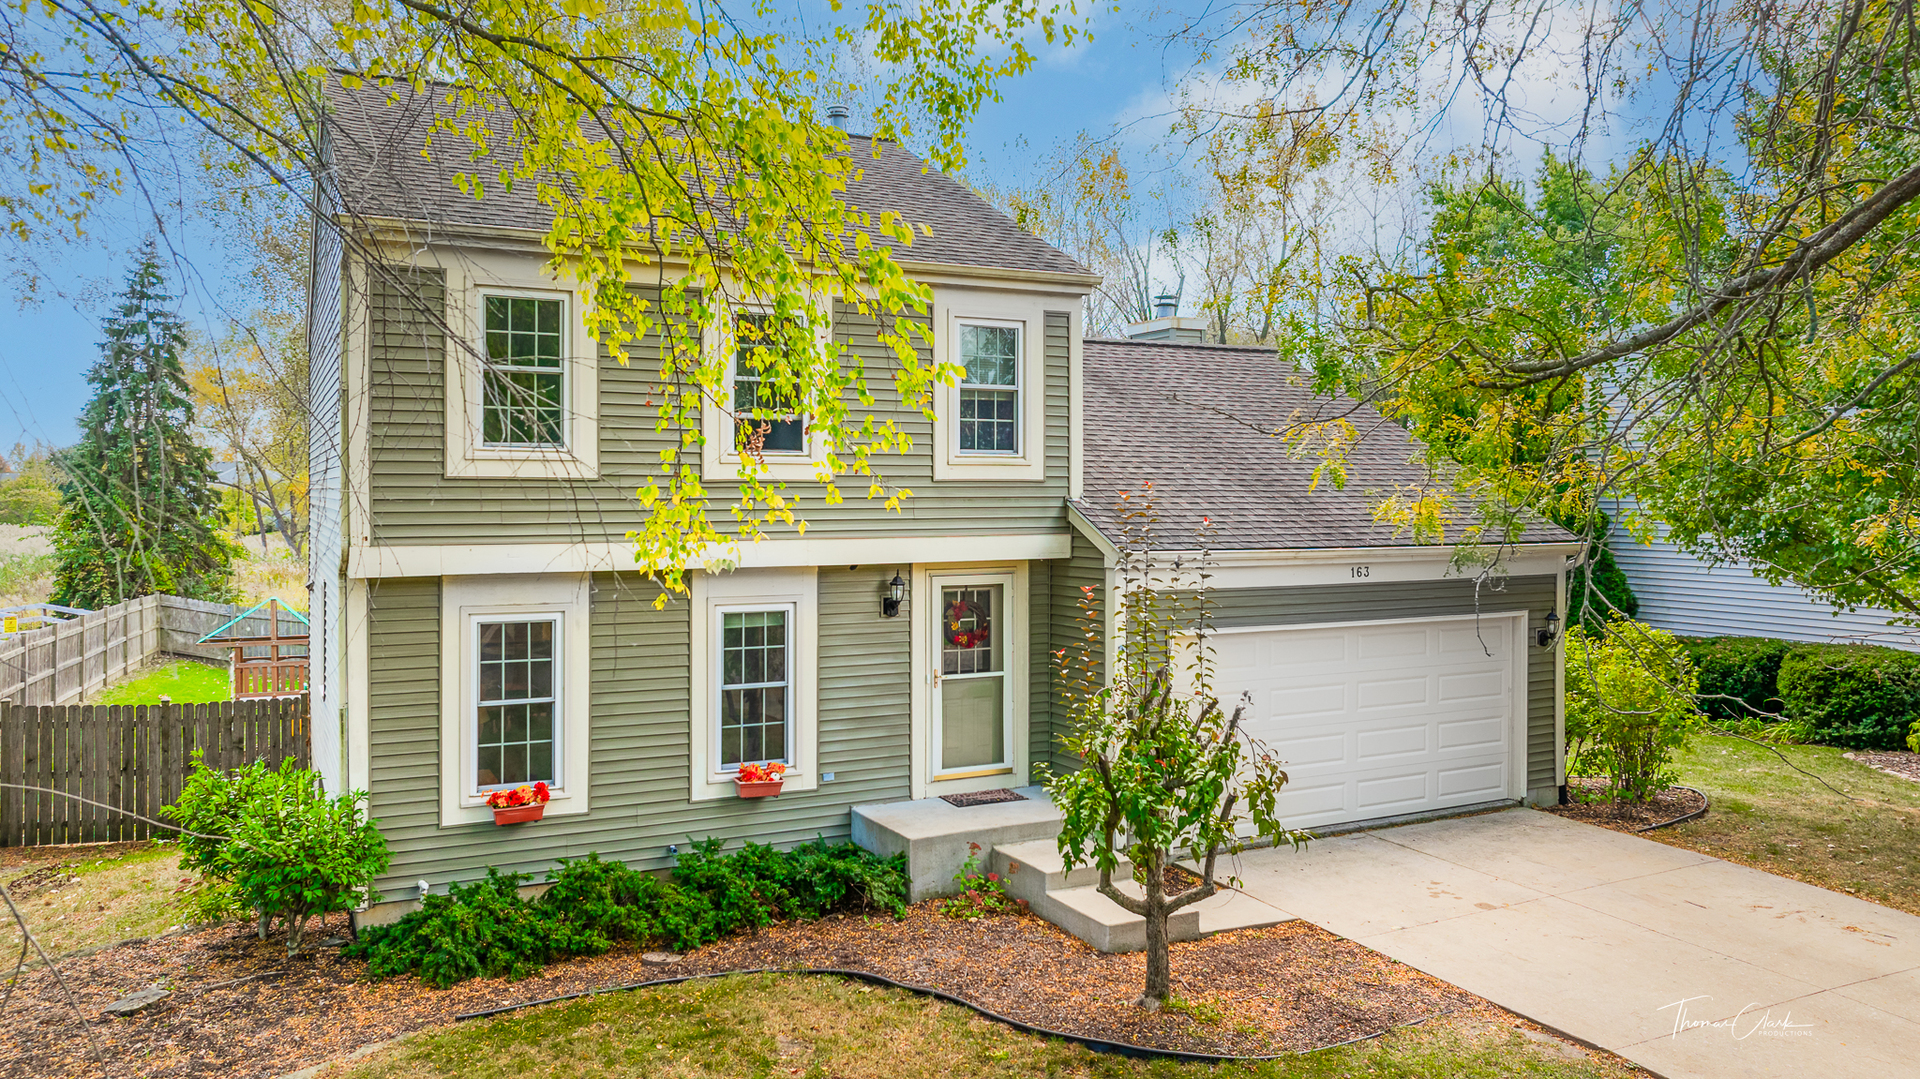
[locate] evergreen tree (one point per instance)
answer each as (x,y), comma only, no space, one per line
(138,511)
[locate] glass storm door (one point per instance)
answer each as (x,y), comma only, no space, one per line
(971,717)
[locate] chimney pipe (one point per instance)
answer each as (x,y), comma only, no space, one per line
(837,116)
(1166,305)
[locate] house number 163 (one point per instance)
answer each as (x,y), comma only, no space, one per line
(1360,571)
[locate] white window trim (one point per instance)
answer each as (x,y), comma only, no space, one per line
(470,280)
(927,582)
(719,457)
(467,601)
(953,308)
(712,593)
(715,674)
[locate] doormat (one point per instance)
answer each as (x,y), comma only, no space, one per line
(982,798)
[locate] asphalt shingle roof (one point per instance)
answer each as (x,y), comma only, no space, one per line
(380,172)
(1194,420)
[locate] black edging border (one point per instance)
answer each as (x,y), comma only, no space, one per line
(1098,1045)
(1683,818)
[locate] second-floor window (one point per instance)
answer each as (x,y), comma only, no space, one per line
(779,429)
(523,399)
(989,414)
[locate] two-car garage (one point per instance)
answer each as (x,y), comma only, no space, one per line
(1385,718)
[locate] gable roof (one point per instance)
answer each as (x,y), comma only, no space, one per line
(1185,416)
(378,171)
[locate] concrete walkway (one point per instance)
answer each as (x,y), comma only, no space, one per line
(1680,962)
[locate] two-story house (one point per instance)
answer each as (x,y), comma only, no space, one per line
(478,623)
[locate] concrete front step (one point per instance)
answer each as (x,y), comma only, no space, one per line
(935,835)
(1070,899)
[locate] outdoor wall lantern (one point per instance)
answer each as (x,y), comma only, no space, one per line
(1549,633)
(896,591)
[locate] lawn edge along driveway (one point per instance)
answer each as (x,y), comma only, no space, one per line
(1681,962)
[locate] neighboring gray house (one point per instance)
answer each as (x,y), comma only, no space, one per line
(1683,593)
(477,622)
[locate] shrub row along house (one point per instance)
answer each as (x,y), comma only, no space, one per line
(466,570)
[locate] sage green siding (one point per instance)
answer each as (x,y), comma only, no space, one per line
(639,729)
(1040,667)
(1421,599)
(413,501)
(1084,567)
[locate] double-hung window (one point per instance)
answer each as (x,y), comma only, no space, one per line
(780,429)
(516,703)
(523,393)
(755,718)
(989,414)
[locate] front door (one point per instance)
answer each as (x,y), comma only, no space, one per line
(972,700)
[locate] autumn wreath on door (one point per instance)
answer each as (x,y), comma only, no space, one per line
(969,623)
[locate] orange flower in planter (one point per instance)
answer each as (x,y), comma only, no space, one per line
(523,795)
(761,773)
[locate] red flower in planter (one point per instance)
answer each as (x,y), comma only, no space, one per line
(523,795)
(762,773)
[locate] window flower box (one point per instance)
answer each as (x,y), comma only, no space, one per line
(759,780)
(519,805)
(519,814)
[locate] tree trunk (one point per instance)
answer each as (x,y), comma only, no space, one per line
(1159,964)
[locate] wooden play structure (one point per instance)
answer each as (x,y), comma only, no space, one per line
(270,664)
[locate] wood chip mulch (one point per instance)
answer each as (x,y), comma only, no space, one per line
(241,1009)
(1898,763)
(1626,816)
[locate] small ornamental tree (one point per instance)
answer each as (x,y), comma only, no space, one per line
(278,844)
(1165,771)
(1630,705)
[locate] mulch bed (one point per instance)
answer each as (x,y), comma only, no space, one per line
(241,1009)
(1893,762)
(1626,816)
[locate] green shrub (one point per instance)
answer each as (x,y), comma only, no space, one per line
(1860,696)
(276,844)
(1739,676)
(1913,737)
(478,930)
(486,929)
(1630,704)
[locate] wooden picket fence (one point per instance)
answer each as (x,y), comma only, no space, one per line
(127,761)
(68,661)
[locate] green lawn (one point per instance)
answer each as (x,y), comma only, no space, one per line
(769,1025)
(182,682)
(1769,816)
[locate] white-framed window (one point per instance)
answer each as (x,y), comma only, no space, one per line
(514,701)
(991,424)
(754,673)
(782,434)
(753,692)
(522,372)
(779,442)
(989,398)
(523,393)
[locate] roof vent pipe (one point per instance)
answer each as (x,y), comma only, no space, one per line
(837,116)
(1166,305)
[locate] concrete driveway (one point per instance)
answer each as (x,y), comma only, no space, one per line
(1680,962)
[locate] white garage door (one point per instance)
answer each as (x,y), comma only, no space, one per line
(1379,719)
